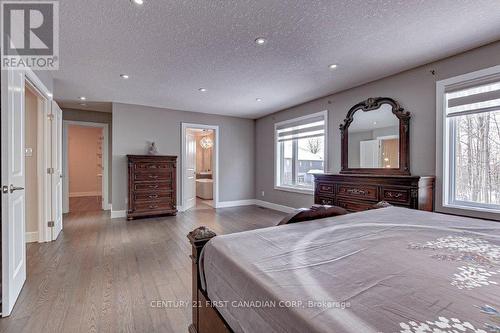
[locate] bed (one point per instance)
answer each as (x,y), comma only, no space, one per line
(386,270)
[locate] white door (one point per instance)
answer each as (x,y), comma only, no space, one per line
(369,154)
(190,172)
(56,138)
(13,195)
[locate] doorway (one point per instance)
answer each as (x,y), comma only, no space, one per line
(85,164)
(199,166)
(30,133)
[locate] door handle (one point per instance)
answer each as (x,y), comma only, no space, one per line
(15,188)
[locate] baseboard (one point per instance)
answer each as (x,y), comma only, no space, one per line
(31,237)
(274,206)
(108,207)
(84,194)
(226,204)
(248,202)
(116,214)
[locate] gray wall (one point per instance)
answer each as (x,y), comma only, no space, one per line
(136,125)
(102,118)
(414,89)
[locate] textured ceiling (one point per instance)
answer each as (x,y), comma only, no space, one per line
(172,48)
(91,106)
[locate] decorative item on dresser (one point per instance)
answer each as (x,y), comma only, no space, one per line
(151,185)
(375,161)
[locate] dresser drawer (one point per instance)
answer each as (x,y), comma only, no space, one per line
(324,200)
(397,195)
(152,166)
(147,176)
(154,205)
(154,186)
(152,196)
(358,191)
(354,206)
(325,188)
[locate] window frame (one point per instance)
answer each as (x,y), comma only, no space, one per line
(446,145)
(277,153)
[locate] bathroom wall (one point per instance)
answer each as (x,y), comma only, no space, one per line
(203,156)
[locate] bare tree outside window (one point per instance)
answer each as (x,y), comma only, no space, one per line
(314,145)
(477,158)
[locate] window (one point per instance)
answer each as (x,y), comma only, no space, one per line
(472,146)
(300,152)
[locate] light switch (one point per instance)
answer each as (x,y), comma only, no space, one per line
(28,152)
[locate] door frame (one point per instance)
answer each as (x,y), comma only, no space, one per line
(44,232)
(105,161)
(215,128)
(44,160)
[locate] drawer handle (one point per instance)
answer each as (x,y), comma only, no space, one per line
(356,191)
(152,166)
(153,186)
(393,195)
(325,202)
(153,206)
(153,177)
(154,196)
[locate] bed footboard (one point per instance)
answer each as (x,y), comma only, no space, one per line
(206,318)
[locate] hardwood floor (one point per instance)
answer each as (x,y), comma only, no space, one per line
(101,275)
(85,204)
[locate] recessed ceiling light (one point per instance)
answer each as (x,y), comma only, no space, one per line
(203,89)
(258,99)
(332,66)
(82,98)
(260,41)
(124,76)
(138,2)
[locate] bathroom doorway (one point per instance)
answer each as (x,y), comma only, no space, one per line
(199,166)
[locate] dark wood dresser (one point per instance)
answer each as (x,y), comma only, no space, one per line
(361,192)
(151,185)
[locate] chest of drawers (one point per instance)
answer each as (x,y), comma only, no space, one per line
(361,192)
(151,185)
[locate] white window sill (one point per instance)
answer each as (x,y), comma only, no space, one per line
(294,189)
(472,208)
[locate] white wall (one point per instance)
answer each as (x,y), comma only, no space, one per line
(134,126)
(414,89)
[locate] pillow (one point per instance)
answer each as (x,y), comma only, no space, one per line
(314,213)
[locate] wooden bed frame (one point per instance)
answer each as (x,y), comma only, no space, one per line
(206,318)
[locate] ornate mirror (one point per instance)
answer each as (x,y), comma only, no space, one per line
(375,138)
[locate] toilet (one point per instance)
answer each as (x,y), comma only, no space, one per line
(204,188)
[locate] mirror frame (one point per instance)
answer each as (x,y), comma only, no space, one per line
(373,104)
